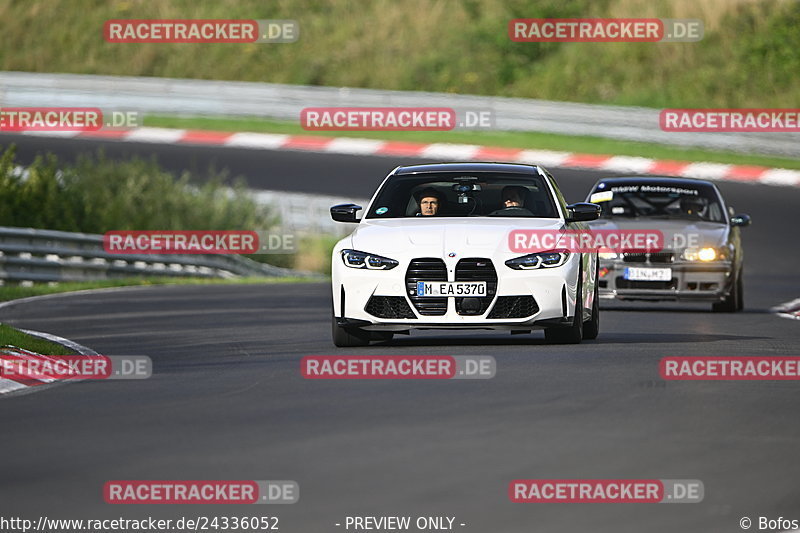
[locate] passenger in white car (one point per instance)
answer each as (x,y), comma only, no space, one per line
(513,198)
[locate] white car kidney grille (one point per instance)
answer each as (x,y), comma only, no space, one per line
(477,269)
(426,269)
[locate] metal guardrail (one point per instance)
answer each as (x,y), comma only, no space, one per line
(223,98)
(34,255)
(306,214)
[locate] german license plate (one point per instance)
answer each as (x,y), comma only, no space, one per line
(648,274)
(451,288)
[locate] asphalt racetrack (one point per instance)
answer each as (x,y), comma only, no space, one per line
(227,400)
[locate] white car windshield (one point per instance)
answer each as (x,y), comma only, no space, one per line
(464,195)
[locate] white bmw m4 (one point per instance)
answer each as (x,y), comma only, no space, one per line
(434,250)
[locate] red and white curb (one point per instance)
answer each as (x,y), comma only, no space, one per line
(23,385)
(445,152)
(788,309)
(17,383)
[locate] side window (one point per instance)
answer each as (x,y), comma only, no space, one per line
(559,197)
(723,211)
(714,212)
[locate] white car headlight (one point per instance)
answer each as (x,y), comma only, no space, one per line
(551,259)
(357,259)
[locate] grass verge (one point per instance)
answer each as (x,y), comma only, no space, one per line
(15,337)
(13,292)
(505,139)
(746,58)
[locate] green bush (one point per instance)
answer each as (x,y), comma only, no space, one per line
(97,194)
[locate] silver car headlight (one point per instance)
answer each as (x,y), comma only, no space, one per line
(357,259)
(551,259)
(704,254)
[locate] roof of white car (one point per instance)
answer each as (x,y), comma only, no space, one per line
(468,167)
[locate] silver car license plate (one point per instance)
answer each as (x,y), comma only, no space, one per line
(648,274)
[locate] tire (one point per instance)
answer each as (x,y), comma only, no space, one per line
(734,301)
(591,328)
(348,337)
(740,288)
(570,334)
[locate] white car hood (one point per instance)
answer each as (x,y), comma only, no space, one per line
(438,237)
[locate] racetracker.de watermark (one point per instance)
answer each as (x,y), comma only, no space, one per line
(200,492)
(605,30)
(585,240)
(199,242)
(606,491)
(200,31)
(65,119)
(395,119)
(730,120)
(398,367)
(731,368)
(63,367)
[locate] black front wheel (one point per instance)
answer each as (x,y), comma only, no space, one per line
(734,301)
(348,337)
(591,328)
(572,334)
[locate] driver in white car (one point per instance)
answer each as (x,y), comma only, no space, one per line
(429,202)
